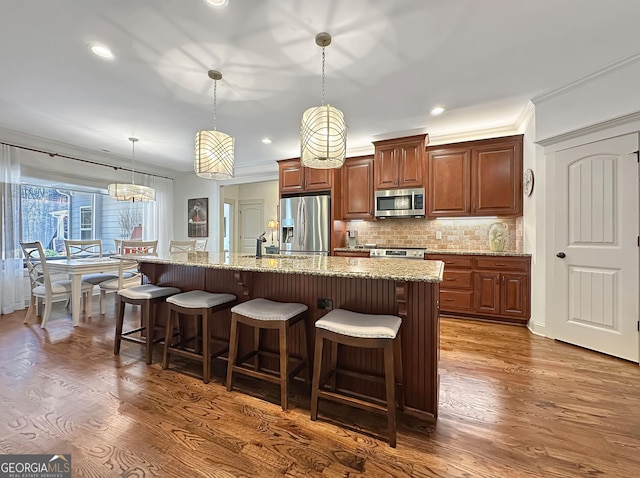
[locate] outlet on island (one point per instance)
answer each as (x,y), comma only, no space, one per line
(326,304)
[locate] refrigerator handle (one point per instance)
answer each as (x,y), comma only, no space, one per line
(300,224)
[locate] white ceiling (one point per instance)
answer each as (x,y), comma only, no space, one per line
(389,64)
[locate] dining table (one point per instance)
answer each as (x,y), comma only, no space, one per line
(77,267)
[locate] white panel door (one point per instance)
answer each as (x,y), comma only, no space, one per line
(596,246)
(251,224)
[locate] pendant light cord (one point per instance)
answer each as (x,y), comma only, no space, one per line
(323,76)
(133,160)
(215,98)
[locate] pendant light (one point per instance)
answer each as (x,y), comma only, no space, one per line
(213,156)
(132,192)
(323,133)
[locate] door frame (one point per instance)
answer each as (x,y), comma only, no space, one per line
(583,136)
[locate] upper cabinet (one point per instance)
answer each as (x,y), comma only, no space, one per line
(476,178)
(357,188)
(293,178)
(399,163)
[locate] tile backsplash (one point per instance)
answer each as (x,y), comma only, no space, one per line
(457,234)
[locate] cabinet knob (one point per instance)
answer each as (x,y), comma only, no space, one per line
(561,255)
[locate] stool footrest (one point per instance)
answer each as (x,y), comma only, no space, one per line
(133,331)
(368,405)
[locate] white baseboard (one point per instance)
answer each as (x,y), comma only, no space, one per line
(538,329)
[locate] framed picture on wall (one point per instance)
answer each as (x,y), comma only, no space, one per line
(198,217)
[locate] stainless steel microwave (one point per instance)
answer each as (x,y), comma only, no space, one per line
(399,203)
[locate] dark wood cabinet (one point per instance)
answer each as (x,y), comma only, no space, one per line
(351,253)
(294,178)
(485,287)
(476,178)
(449,185)
(399,163)
(357,188)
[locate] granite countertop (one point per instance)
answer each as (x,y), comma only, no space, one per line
(438,251)
(332,266)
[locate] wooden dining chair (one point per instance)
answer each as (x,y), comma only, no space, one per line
(126,277)
(43,288)
(182,246)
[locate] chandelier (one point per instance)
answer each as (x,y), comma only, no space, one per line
(213,155)
(323,133)
(132,192)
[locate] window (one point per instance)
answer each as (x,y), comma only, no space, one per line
(51,215)
(86,222)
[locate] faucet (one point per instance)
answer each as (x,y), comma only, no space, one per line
(259,240)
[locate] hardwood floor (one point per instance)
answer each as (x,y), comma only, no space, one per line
(511,405)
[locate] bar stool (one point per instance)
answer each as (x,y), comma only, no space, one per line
(267,314)
(360,330)
(146,296)
(195,304)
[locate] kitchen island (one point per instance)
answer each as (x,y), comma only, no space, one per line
(406,288)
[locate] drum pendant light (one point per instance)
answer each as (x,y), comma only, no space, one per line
(323,133)
(132,192)
(213,155)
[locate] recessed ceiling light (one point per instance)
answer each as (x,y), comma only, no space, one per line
(266,140)
(217,3)
(100,50)
(437,110)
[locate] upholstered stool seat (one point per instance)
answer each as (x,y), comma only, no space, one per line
(147,296)
(268,314)
(360,330)
(195,304)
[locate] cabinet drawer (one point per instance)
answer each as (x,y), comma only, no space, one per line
(454,279)
(502,263)
(451,260)
(456,300)
(351,253)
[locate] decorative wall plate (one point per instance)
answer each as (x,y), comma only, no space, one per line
(528,182)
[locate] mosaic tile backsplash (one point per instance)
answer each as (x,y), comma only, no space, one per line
(457,234)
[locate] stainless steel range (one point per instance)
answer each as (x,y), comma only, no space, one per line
(404,253)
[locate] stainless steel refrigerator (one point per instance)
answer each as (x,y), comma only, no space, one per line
(305,225)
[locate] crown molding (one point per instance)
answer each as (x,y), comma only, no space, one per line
(591,129)
(585,79)
(473,135)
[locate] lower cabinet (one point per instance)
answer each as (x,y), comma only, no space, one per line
(351,253)
(486,287)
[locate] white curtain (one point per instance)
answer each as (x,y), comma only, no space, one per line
(158,217)
(12,290)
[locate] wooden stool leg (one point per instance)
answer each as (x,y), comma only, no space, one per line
(390,385)
(206,355)
(119,325)
(233,351)
(333,353)
(257,334)
(308,352)
(284,364)
(397,360)
(147,324)
(317,370)
(168,334)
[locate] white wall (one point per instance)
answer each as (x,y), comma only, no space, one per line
(609,94)
(188,185)
(600,107)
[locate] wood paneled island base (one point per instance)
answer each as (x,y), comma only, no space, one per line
(415,301)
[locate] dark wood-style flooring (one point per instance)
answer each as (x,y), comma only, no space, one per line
(512,404)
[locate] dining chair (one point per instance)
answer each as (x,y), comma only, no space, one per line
(201,244)
(90,248)
(126,277)
(43,288)
(182,246)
